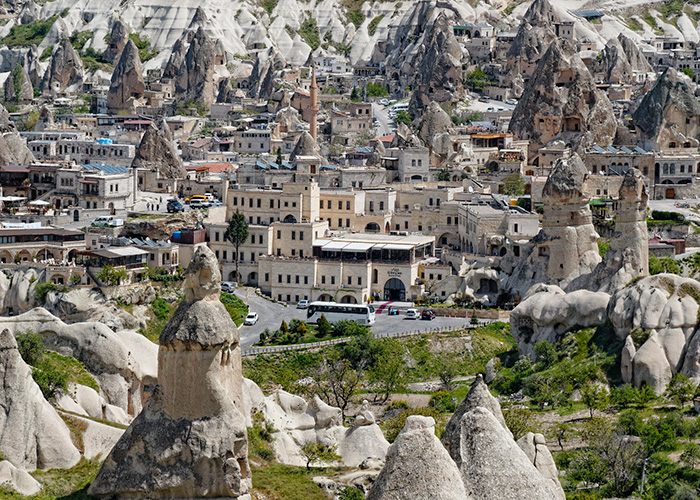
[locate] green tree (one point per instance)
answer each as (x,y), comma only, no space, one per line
(336,381)
(546,353)
(31,346)
(691,455)
(50,381)
(388,372)
(645,395)
(447,369)
(519,421)
(444,175)
(111,275)
(314,452)
(237,234)
(513,185)
(376,90)
(324,327)
(680,389)
(594,396)
(403,117)
(689,72)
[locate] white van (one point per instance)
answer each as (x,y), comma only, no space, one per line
(198,203)
(105,220)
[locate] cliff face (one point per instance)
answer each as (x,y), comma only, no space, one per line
(561,101)
(669,112)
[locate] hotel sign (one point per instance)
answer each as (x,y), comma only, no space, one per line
(394,272)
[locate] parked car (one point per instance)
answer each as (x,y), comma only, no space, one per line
(427,314)
(483,98)
(251,319)
(412,314)
(228,287)
(198,203)
(302,304)
(175,206)
(108,220)
(512,102)
(215,203)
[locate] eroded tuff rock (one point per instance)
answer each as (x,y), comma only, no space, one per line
(620,60)
(305,146)
(541,12)
(478,396)
(547,313)
(493,466)
(117,41)
(19,480)
(566,246)
(127,85)
(535,447)
(561,101)
(418,467)
(123,363)
(669,112)
(32,435)
(190,439)
(156,152)
(436,65)
(195,79)
(176,61)
(666,306)
(528,47)
(65,70)
(13,149)
(17,291)
(436,130)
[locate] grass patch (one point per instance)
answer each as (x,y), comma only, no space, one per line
(144,46)
(65,484)
(235,307)
(268,5)
(76,427)
(71,368)
(372,27)
(23,35)
(287,482)
(354,12)
(309,32)
(160,313)
(634,25)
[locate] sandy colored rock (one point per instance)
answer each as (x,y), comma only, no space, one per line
(195,81)
(157,152)
(19,480)
(535,447)
(32,435)
(492,465)
(190,439)
(418,467)
(65,70)
(127,86)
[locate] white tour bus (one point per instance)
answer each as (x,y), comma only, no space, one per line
(362,313)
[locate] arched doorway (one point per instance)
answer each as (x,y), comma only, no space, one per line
(290,219)
(252,279)
(112,211)
(325,298)
(24,255)
(416,178)
(232,276)
(348,299)
(394,289)
(76,215)
(5,257)
(387,228)
(372,227)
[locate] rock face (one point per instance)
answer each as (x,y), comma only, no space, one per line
(32,435)
(156,152)
(492,465)
(620,60)
(437,66)
(117,41)
(561,101)
(305,146)
(196,80)
(190,439)
(547,313)
(528,47)
(66,69)
(418,467)
(13,149)
(566,246)
(535,447)
(669,112)
(478,396)
(123,363)
(17,291)
(85,304)
(437,130)
(176,61)
(666,306)
(541,12)
(127,85)
(627,257)
(19,480)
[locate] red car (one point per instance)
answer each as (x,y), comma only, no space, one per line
(427,314)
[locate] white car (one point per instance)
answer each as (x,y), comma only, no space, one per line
(303,304)
(251,319)
(412,314)
(228,287)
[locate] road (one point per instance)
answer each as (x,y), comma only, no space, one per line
(385,125)
(271,316)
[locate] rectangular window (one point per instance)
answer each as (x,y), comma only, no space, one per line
(332,280)
(267,276)
(340,205)
(259,202)
(301,235)
(279,234)
(272,203)
(217,254)
(320,204)
(294,235)
(279,278)
(347,205)
(323,280)
(225,255)
(381,205)
(371,206)
(449,221)
(294,252)
(250,202)
(359,281)
(301,253)
(297,279)
(306,280)
(289,278)
(216,236)
(349,280)
(235,200)
(347,222)
(340,222)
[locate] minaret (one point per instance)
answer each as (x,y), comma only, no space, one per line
(313,91)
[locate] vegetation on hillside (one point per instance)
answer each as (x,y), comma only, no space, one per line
(24,35)
(235,307)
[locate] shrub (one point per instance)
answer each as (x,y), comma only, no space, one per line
(31,347)
(350,493)
(42,290)
(161,309)
(24,35)
(393,426)
(50,381)
(443,402)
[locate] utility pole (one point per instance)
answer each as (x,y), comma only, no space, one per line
(644,470)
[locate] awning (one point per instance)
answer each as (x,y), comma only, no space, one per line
(358,247)
(398,246)
(11,198)
(39,203)
(85,181)
(335,246)
(320,243)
